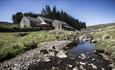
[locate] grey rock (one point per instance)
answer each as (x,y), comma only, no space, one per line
(47,59)
(93,66)
(61,54)
(75,68)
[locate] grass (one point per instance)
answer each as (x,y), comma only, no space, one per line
(14,43)
(105,44)
(108,45)
(8,26)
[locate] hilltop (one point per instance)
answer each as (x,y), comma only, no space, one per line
(101,25)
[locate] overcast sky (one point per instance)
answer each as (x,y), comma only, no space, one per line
(91,11)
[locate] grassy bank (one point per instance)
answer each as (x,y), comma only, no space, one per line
(14,43)
(106,40)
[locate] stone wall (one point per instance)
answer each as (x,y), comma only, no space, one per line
(25,23)
(57,25)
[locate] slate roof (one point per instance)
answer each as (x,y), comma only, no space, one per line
(66,25)
(46,19)
(33,19)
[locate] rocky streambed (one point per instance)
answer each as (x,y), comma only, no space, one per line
(57,55)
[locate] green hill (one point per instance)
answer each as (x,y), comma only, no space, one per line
(101,25)
(7,25)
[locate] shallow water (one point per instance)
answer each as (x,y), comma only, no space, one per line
(86,48)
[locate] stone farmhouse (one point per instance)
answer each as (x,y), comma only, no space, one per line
(44,23)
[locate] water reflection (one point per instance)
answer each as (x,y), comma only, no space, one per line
(86,48)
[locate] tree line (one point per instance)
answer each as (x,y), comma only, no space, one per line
(51,13)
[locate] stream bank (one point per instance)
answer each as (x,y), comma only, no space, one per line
(56,55)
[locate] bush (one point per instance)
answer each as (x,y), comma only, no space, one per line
(30,45)
(10,52)
(6,56)
(22,34)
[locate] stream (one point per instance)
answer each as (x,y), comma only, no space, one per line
(80,57)
(86,48)
(85,52)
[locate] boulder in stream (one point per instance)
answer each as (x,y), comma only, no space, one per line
(61,54)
